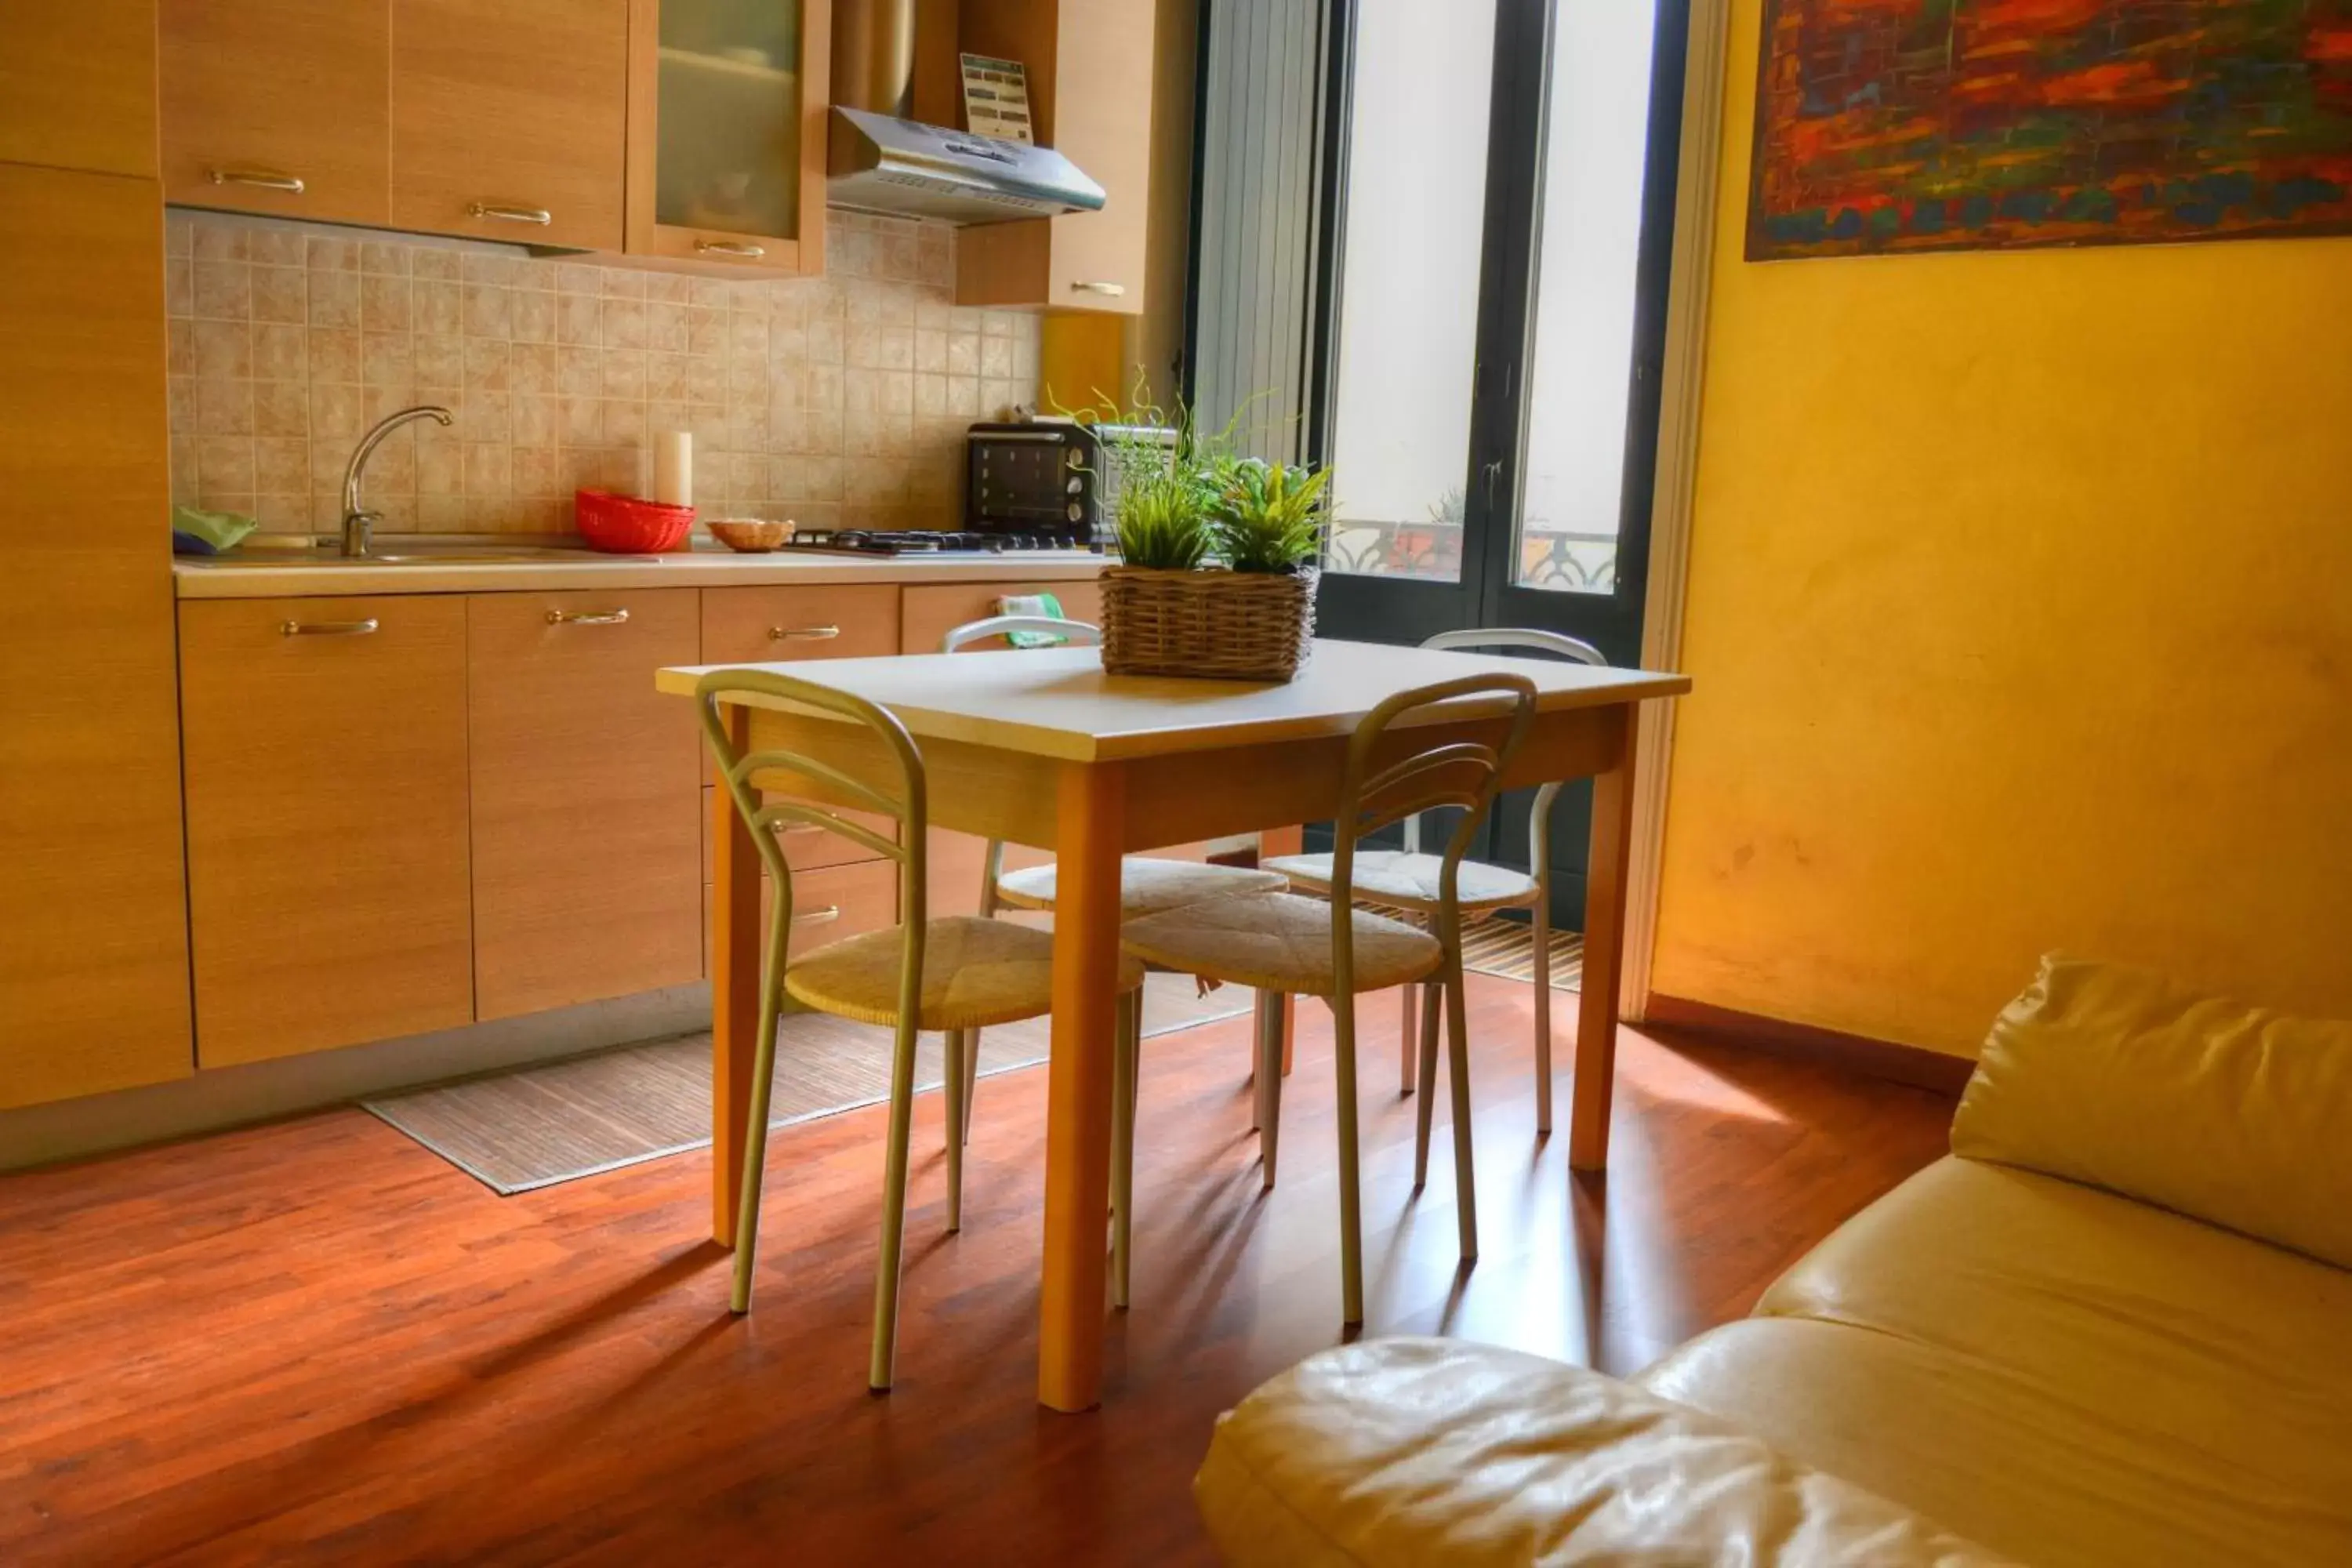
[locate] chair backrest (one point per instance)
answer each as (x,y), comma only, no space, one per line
(779,788)
(1460,773)
(1074,634)
(1518,639)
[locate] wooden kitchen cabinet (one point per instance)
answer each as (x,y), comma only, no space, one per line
(327,821)
(93,915)
(1090,80)
(765,625)
(928,613)
(807,848)
(829,903)
(509,121)
(278,106)
(727,119)
(779,624)
(585,842)
(77,85)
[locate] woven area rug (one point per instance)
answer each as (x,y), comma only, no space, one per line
(537,1126)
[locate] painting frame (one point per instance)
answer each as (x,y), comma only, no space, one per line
(2212,196)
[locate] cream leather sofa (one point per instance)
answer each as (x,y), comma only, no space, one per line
(2113,1327)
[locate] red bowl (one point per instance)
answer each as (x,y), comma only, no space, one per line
(623,525)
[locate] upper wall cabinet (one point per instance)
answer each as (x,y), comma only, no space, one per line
(278,106)
(77,87)
(727,129)
(687,132)
(1090,64)
(509,121)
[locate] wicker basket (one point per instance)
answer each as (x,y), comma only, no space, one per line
(1219,625)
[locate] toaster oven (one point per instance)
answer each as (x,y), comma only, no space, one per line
(1048,477)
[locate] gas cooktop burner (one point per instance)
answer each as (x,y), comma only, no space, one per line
(924,541)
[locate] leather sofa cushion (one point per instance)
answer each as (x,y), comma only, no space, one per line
(2061,1374)
(2115,1076)
(1423,1451)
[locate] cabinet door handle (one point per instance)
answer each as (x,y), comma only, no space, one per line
(731,248)
(261,179)
(803,634)
(327,629)
(587,617)
(803,827)
(511,215)
(825,916)
(1083,286)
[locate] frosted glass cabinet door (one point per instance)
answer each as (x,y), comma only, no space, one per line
(727,124)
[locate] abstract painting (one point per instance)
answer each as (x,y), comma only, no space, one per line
(1897,125)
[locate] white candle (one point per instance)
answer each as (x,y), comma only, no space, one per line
(674,468)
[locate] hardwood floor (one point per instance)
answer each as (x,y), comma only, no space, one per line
(315,1341)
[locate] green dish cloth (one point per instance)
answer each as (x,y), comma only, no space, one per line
(221,530)
(1044,605)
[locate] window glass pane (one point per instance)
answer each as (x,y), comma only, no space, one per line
(1408,285)
(1596,140)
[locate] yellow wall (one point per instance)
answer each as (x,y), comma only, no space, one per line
(2021,617)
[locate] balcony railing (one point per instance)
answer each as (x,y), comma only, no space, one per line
(1553,559)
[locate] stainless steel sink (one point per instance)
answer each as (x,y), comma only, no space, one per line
(415,553)
(465,557)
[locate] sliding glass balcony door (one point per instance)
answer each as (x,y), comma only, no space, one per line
(1493,323)
(1407,356)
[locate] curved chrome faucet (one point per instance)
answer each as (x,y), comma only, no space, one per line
(359,523)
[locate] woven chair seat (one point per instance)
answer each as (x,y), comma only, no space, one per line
(975,972)
(1410,881)
(1145,886)
(1280,941)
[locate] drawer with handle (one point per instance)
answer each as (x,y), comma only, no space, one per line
(775,625)
(807,847)
(829,904)
(768,626)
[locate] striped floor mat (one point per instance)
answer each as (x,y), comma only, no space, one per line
(1507,948)
(533,1126)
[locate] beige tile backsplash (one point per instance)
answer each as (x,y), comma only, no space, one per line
(839,401)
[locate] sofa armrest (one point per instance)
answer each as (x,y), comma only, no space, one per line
(1418,1451)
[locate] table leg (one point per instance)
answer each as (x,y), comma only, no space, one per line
(1271,842)
(734,992)
(1092,828)
(1604,957)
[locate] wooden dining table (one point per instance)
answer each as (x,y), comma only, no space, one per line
(1041,747)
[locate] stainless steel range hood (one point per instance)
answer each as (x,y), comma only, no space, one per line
(880,161)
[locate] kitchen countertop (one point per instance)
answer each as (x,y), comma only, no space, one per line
(227,578)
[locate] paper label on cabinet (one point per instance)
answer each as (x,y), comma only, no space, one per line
(996,98)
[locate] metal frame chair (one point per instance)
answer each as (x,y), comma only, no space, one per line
(1177,876)
(1312,872)
(862,982)
(1074,634)
(1246,939)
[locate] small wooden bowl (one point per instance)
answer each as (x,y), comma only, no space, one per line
(750,535)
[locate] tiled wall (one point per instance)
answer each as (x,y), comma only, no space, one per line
(837,401)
